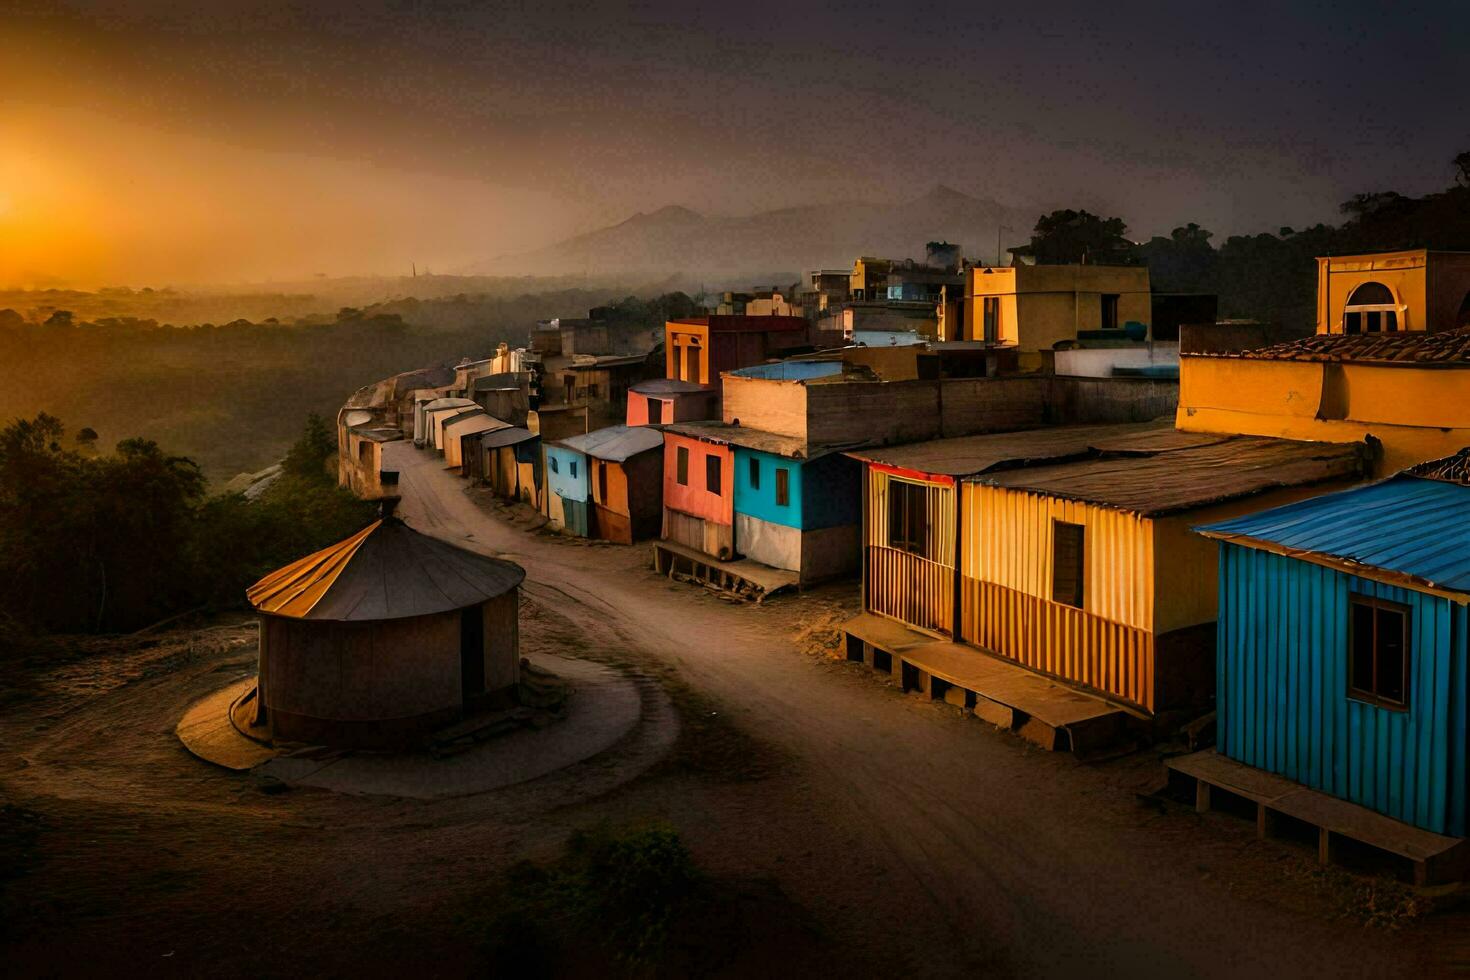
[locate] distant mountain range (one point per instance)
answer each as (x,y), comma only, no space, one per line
(771,246)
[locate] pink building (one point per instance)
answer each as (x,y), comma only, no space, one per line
(699,494)
(663,400)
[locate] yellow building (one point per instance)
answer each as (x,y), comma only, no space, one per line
(1391,291)
(1408,390)
(1035,306)
(1067,551)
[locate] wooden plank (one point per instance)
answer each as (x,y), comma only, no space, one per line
(1005,682)
(1234,777)
(1361,824)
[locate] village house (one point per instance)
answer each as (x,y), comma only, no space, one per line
(360,441)
(462,438)
(1416,290)
(1036,307)
(425,410)
(698,349)
(438,419)
(669,400)
(1342,664)
(508,461)
(1066,551)
(623,468)
(601,383)
(381,639)
(567,489)
(1410,390)
(506,396)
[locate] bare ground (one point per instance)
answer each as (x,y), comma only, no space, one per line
(897,835)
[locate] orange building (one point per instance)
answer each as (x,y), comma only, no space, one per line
(1391,291)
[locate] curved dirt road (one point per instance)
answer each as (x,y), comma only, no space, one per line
(912,830)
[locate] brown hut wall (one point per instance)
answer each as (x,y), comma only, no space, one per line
(502,641)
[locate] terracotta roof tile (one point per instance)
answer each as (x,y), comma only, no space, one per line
(1447,346)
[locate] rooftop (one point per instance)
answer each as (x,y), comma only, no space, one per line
(745,324)
(1447,347)
(508,436)
(668,386)
(615,443)
(747,438)
(385,571)
(1146,468)
(1409,528)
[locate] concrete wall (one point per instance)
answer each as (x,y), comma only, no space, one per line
(1086,401)
(1099,362)
(1417,412)
(757,498)
(566,473)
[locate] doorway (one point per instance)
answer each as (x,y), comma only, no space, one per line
(471,652)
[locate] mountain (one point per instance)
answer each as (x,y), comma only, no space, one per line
(677,242)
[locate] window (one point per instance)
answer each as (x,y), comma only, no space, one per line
(783,487)
(1378,644)
(908,517)
(572,468)
(712,474)
(1370,309)
(755,473)
(553,465)
(592,391)
(655,410)
(1067,563)
(1109,311)
(991,322)
(601,483)
(682,458)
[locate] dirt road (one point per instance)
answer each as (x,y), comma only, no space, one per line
(909,828)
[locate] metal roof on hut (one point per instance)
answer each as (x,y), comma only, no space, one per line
(385,571)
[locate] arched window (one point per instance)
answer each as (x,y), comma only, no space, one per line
(1370,309)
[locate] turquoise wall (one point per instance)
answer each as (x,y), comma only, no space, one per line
(559,478)
(760,502)
(1282,701)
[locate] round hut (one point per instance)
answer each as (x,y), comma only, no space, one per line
(383,637)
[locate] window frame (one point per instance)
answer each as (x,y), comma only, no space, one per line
(1081,592)
(783,487)
(1377,604)
(1109,310)
(714,476)
(905,540)
(681,465)
(754,474)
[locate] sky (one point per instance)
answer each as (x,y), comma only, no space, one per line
(181,142)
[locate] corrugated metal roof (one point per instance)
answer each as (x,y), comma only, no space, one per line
(385,571)
(669,386)
(757,439)
(1170,480)
(966,455)
(1409,526)
(472,423)
(506,437)
(615,443)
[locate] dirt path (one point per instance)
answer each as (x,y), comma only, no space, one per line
(928,832)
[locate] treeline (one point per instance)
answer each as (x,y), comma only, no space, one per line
(1269,276)
(229,396)
(113,542)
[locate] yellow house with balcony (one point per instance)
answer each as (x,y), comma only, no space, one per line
(1035,306)
(1392,291)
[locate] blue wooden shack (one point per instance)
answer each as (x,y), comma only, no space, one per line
(567,489)
(800,514)
(1341,657)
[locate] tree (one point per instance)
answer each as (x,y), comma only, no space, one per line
(307,457)
(1068,237)
(1185,262)
(1462,168)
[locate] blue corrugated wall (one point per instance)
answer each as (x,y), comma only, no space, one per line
(1281,673)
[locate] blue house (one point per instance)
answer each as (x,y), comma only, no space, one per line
(800,514)
(567,489)
(1341,656)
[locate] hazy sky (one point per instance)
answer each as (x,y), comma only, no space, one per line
(153,142)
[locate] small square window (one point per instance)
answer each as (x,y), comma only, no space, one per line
(554,468)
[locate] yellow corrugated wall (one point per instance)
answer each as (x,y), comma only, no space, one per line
(918,590)
(1006,574)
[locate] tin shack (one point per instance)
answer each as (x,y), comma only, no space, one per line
(1342,652)
(1068,551)
(624,467)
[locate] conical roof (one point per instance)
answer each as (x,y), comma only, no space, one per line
(385,571)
